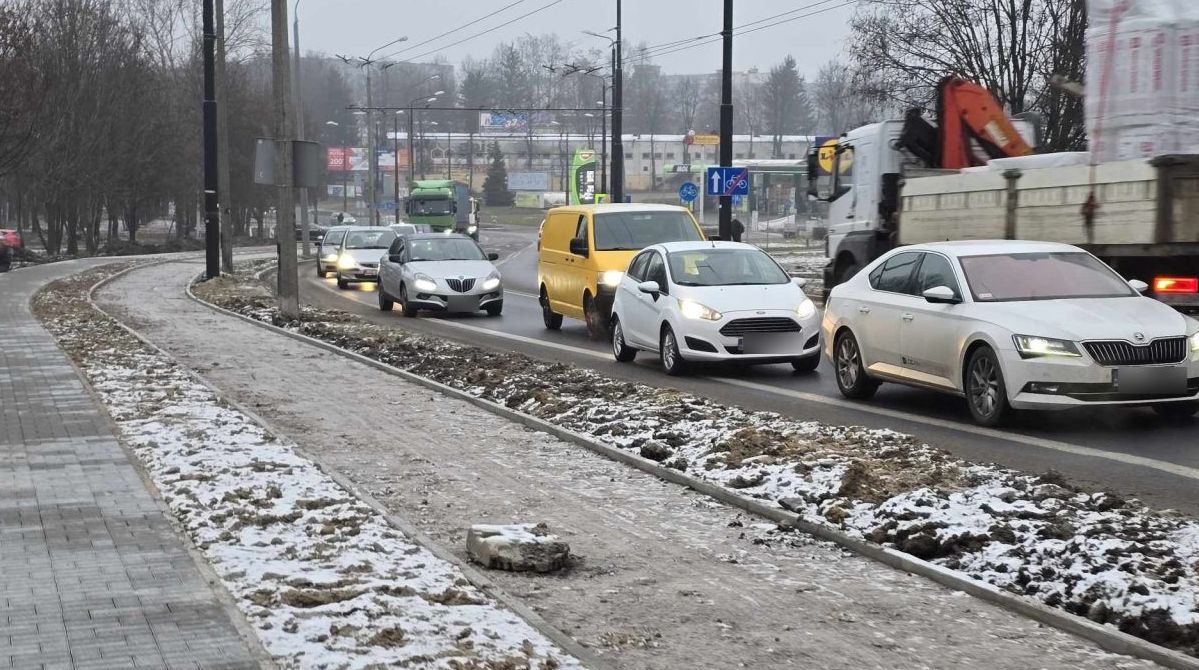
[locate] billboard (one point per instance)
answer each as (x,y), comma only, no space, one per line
(338,158)
(513,122)
(528,181)
(582,177)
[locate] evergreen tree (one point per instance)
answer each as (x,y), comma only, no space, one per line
(495,187)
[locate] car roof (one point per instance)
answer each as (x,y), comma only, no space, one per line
(368,229)
(693,245)
(333,228)
(620,207)
(437,236)
(989,247)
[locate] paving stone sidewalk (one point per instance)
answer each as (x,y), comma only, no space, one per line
(92,574)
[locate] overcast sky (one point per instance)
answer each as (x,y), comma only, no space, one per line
(355,27)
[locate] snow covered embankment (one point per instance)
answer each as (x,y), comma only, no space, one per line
(1092,554)
(322,577)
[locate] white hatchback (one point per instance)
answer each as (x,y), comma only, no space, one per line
(713,301)
(1010,324)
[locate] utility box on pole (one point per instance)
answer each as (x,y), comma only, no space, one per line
(308,163)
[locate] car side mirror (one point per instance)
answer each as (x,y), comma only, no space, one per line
(1138,285)
(493,256)
(650,287)
(941,295)
(578,247)
(799,281)
(396,258)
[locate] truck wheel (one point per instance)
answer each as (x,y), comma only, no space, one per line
(552,321)
(848,272)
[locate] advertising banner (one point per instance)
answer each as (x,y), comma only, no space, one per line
(582,177)
(528,181)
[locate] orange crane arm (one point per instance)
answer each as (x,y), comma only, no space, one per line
(968,111)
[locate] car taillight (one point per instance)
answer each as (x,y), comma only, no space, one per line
(1176,284)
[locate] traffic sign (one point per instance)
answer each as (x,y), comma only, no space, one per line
(722,181)
(688,191)
(389,205)
(737,200)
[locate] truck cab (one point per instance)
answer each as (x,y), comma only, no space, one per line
(445,205)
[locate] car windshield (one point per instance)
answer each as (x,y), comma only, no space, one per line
(404,229)
(724,267)
(431,207)
(444,249)
(616,231)
(1041,276)
(369,239)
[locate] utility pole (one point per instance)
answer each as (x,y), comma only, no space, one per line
(372,159)
(285,224)
(411,152)
(726,119)
(618,111)
(224,188)
(299,116)
(604,140)
(395,173)
(212,216)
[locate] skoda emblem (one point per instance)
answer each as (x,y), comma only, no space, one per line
(1139,337)
(761,312)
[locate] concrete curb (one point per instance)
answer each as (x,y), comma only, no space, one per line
(560,638)
(1106,637)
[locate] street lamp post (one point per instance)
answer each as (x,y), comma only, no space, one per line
(395,136)
(411,113)
(617,186)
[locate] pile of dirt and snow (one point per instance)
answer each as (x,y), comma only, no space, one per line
(324,579)
(1093,554)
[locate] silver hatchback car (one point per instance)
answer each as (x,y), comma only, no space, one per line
(439,273)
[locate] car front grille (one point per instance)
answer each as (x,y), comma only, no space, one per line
(461,285)
(767,324)
(369,265)
(1158,352)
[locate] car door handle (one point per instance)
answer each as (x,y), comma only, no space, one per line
(908,317)
(864,309)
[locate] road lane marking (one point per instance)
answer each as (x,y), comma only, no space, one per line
(841,403)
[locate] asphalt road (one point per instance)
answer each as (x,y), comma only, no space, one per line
(1128,451)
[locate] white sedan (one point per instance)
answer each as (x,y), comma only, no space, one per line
(1010,324)
(713,301)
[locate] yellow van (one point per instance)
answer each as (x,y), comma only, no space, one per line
(585,249)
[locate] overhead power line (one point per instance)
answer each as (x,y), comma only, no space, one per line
(648,55)
(451,32)
(483,32)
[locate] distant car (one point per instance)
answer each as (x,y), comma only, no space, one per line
(10,238)
(316,233)
(359,254)
(713,301)
(329,249)
(441,273)
(411,228)
(1010,324)
(342,219)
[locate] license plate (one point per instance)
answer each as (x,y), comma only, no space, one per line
(462,303)
(770,343)
(1152,380)
(369,272)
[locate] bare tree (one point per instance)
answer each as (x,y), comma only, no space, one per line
(784,101)
(838,103)
(903,48)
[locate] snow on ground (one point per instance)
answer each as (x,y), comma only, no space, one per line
(322,577)
(1093,554)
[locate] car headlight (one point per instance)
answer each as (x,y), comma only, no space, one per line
(471,230)
(346,262)
(611,278)
(1033,347)
(1194,345)
(425,283)
(329,258)
(694,310)
(806,308)
(491,283)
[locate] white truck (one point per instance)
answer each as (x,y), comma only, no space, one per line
(1143,219)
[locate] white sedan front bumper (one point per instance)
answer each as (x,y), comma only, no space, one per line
(1061,383)
(748,336)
